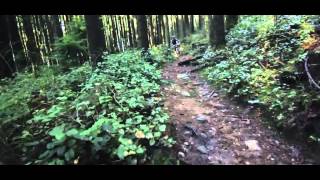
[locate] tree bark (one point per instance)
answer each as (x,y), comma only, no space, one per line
(216,31)
(33,50)
(114,34)
(17,47)
(134,33)
(201,22)
(152,36)
(7,67)
(129,31)
(192,24)
(167,30)
(142,32)
(96,38)
(186,26)
(231,21)
(57,27)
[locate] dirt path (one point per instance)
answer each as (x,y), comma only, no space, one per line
(211,130)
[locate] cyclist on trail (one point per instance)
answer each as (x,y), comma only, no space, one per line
(176,44)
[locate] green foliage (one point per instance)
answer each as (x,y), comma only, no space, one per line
(261,64)
(109,114)
(71,49)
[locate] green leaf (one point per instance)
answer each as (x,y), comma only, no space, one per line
(157,134)
(162,128)
(152,142)
(72,132)
(69,155)
(61,150)
(121,151)
(57,132)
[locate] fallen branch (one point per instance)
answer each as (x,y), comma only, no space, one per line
(188,61)
(311,80)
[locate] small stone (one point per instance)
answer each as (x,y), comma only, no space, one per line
(247,163)
(203,135)
(202,118)
(226,130)
(272,159)
(185,93)
(186,143)
(183,76)
(202,149)
(212,132)
(252,145)
(181,155)
(214,95)
(188,133)
(277,142)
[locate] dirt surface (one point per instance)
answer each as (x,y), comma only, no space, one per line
(212,130)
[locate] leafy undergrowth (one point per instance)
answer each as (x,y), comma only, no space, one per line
(262,65)
(111,115)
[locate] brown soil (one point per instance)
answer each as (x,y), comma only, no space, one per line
(213,130)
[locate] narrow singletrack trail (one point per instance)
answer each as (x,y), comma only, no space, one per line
(210,129)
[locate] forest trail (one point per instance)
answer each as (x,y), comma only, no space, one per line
(212,130)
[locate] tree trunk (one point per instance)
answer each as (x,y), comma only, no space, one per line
(152,37)
(114,34)
(178,27)
(7,67)
(142,32)
(231,21)
(216,29)
(134,33)
(33,50)
(129,31)
(96,39)
(167,30)
(201,22)
(35,25)
(45,34)
(57,30)
(158,35)
(50,28)
(163,28)
(186,26)
(192,24)
(16,43)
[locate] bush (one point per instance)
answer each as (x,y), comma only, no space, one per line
(262,65)
(111,114)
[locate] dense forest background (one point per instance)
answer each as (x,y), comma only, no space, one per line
(86,89)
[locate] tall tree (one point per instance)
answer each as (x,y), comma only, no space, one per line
(7,67)
(192,24)
(216,31)
(33,51)
(231,21)
(152,36)
(96,38)
(57,26)
(159,31)
(201,22)
(186,26)
(142,28)
(129,31)
(114,34)
(16,43)
(167,30)
(134,37)
(50,28)
(163,28)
